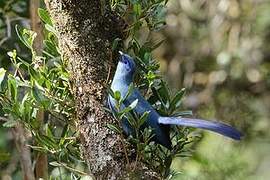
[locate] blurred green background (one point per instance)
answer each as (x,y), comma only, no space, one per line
(220,51)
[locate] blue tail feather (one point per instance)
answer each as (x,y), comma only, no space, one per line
(217,127)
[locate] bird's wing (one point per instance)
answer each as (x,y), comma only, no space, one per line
(142,105)
(110,104)
(162,132)
(217,127)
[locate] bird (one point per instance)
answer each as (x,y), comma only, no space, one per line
(160,125)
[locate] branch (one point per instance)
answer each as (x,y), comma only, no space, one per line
(41,166)
(24,151)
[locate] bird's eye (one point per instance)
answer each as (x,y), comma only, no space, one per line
(125,62)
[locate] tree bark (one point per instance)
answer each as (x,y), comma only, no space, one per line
(41,166)
(20,136)
(86,30)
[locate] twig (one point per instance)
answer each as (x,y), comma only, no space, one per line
(125,150)
(3,119)
(3,40)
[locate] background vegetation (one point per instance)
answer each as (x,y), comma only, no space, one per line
(218,50)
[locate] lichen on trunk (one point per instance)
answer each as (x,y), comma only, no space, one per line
(83,28)
(86,30)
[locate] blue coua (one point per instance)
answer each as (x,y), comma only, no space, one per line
(161,125)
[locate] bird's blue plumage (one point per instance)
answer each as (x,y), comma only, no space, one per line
(161,125)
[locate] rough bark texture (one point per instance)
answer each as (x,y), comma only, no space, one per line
(20,136)
(85,30)
(36,25)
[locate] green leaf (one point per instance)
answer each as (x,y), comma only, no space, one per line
(25,98)
(64,134)
(12,88)
(10,123)
(23,61)
(36,94)
(2,75)
(26,36)
(155,46)
(51,29)
(134,44)
(183,113)
(87,177)
(164,93)
(51,47)
(151,76)
(39,96)
(111,93)
(38,148)
(133,104)
(45,16)
(156,94)
(137,8)
(115,43)
(46,141)
(128,109)
(117,95)
(130,90)
(177,99)
(55,163)
(12,54)
(26,108)
(33,73)
(143,118)
(131,118)
(114,128)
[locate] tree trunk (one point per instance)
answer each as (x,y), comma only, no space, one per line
(41,166)
(20,136)
(86,31)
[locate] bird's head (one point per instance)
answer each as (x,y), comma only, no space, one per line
(125,68)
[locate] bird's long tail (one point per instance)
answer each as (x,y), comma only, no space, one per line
(217,127)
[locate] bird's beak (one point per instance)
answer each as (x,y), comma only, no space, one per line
(121,53)
(121,56)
